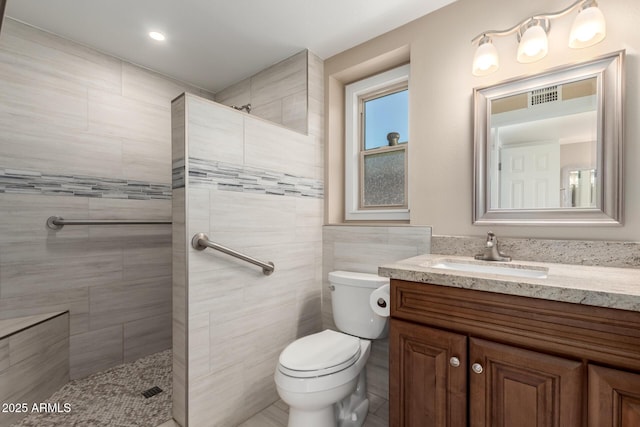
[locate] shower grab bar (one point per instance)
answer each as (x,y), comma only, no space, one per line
(200,242)
(57,222)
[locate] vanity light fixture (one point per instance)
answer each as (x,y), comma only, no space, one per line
(485,60)
(157,36)
(588,28)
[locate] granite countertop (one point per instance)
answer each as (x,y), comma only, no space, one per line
(596,286)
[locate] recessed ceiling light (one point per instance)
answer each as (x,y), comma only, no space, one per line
(157,36)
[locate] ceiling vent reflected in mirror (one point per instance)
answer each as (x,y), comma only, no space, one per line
(543,96)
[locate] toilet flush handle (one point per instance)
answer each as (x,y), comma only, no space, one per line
(382,303)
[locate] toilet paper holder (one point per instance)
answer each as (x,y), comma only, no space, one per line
(380,301)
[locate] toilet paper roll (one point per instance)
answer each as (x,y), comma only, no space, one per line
(380,300)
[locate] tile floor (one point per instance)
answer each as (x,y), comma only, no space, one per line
(276,415)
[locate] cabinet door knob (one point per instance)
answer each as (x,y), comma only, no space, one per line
(454,361)
(477,368)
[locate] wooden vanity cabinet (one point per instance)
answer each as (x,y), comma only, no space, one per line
(463,358)
(510,386)
(428,378)
(616,397)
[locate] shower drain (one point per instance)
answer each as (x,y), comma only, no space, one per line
(151,392)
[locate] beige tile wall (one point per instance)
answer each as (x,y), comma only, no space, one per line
(315,102)
(67,109)
(363,249)
(237,320)
(179,266)
(284,93)
(34,362)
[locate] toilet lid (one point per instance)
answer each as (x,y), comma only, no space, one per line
(319,354)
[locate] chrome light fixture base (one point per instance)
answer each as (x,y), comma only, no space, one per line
(589,28)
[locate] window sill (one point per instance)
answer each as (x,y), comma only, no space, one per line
(378,215)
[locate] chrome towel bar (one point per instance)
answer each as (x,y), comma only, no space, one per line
(200,242)
(56,222)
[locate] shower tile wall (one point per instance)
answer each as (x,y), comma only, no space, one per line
(85,135)
(243,190)
(282,93)
(363,249)
(34,361)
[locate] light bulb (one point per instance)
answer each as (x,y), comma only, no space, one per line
(588,28)
(485,60)
(533,45)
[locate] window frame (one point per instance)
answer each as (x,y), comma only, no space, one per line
(389,81)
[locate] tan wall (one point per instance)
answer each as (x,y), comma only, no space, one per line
(579,154)
(441,115)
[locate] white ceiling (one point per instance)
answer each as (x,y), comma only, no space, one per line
(215,43)
(565,129)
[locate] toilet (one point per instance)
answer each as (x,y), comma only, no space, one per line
(322,376)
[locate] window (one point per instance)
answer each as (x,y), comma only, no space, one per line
(376,144)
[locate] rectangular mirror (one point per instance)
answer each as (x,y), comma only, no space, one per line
(548,148)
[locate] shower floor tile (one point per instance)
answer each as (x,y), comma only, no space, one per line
(113,398)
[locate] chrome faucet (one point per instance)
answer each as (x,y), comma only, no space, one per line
(491,251)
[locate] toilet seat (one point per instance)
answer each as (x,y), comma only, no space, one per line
(320,354)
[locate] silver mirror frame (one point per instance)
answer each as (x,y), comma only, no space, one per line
(609,71)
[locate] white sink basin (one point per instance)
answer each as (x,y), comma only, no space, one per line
(487,267)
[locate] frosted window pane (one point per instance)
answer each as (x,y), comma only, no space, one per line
(389,113)
(384,179)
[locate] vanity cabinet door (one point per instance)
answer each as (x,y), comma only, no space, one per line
(428,377)
(614,398)
(510,386)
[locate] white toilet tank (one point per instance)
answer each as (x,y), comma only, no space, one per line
(352,313)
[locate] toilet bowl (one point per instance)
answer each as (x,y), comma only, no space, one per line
(320,396)
(322,376)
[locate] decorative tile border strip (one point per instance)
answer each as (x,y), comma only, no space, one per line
(231,177)
(18,181)
(177,174)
